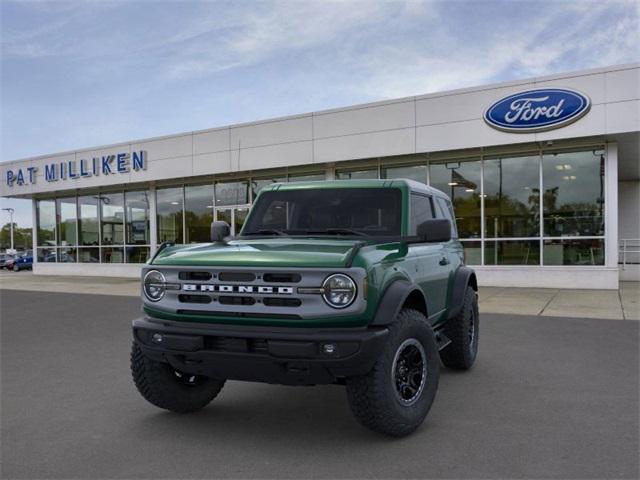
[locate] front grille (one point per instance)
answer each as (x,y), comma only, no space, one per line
(282,277)
(282,302)
(237,345)
(231,300)
(237,277)
(182,298)
(196,276)
(270,293)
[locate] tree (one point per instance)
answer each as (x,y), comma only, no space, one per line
(22,237)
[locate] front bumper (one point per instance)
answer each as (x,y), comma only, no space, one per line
(284,355)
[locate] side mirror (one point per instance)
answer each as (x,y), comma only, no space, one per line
(435,230)
(219,231)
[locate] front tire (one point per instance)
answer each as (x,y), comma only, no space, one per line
(396,395)
(463,331)
(165,387)
(16,268)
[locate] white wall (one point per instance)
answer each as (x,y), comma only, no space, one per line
(87,269)
(548,277)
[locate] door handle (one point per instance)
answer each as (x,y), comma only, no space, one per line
(444,261)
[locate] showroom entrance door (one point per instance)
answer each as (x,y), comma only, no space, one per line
(234,216)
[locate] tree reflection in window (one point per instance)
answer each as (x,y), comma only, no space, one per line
(573,198)
(512,197)
(461,181)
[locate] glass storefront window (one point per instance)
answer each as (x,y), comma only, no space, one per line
(115,227)
(198,213)
(46,218)
(224,215)
(67,221)
(573,198)
(137,218)
(413,172)
(88,220)
(169,207)
(112,254)
(308,177)
(512,252)
(367,174)
(512,197)
(112,218)
(231,193)
(137,254)
(461,181)
(47,255)
(574,251)
(66,255)
(89,255)
(472,252)
(258,184)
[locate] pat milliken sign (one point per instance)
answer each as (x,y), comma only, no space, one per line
(537,110)
(105,165)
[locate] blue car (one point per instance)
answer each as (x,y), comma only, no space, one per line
(23,261)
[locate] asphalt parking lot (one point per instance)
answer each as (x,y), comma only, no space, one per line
(548,398)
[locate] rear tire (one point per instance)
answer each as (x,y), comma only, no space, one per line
(396,395)
(16,268)
(463,331)
(164,387)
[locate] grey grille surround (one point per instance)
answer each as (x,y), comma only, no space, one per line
(312,304)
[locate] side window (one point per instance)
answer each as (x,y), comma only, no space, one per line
(421,210)
(446,211)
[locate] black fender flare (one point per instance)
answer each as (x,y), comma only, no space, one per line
(464,276)
(392,301)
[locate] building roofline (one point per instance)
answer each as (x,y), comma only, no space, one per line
(445,93)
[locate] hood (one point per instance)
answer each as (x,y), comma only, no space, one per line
(277,252)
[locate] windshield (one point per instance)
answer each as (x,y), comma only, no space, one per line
(327,211)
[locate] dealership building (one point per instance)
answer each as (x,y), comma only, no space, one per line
(544,175)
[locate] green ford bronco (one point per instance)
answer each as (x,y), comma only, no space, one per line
(361,283)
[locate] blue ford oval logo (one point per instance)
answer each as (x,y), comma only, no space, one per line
(537,110)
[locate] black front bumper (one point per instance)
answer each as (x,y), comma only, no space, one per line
(290,356)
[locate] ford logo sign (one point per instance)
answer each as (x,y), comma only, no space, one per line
(537,110)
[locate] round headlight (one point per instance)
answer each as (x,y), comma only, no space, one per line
(339,291)
(153,285)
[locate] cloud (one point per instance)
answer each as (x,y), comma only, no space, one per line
(269,30)
(561,38)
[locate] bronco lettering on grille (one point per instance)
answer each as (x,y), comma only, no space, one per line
(261,289)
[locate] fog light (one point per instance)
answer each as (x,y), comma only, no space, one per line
(157,338)
(329,348)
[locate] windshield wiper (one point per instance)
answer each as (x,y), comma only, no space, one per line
(268,231)
(338,231)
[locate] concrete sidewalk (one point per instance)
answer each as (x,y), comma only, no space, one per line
(623,304)
(610,304)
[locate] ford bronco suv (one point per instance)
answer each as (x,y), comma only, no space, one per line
(360,283)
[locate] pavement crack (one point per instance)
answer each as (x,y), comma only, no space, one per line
(624,315)
(547,304)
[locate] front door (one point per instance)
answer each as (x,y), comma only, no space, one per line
(432,274)
(430,260)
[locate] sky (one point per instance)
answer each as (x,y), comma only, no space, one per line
(87,73)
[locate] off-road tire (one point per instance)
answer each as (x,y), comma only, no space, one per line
(373,397)
(158,383)
(461,353)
